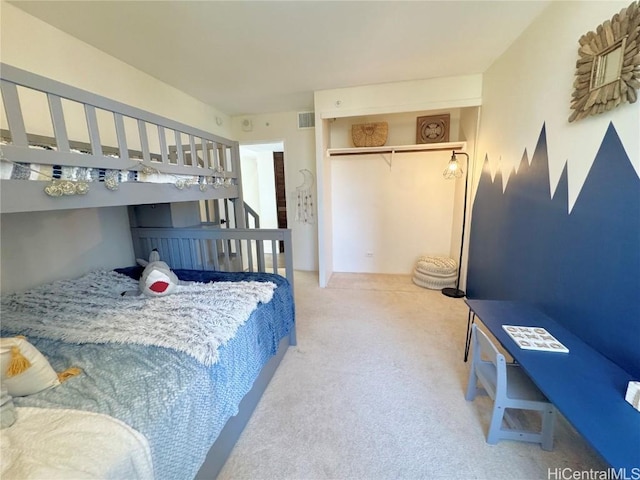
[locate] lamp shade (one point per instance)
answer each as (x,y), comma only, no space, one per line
(454,169)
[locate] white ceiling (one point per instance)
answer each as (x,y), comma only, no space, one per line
(247,57)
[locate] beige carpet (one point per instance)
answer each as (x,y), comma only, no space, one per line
(375,390)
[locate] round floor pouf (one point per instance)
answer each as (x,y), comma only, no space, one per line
(435,272)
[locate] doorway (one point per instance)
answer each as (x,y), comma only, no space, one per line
(281,194)
(263,182)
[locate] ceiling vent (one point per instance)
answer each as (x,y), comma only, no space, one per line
(306,119)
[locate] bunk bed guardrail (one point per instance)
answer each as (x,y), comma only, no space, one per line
(56,126)
(208,247)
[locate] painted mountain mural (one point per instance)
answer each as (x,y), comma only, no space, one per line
(581,268)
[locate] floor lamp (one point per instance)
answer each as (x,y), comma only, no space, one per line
(453,171)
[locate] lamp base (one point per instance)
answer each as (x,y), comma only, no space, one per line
(453,292)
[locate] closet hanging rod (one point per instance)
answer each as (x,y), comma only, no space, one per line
(397,149)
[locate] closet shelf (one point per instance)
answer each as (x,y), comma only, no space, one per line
(424,147)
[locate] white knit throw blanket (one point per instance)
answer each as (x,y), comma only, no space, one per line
(195,319)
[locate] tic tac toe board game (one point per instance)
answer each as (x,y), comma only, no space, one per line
(534,338)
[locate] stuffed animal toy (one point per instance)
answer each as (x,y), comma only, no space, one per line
(157,278)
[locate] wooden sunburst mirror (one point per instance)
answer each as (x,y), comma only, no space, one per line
(608,70)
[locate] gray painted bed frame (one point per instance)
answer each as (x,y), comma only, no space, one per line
(202,247)
(170,152)
(207,247)
(232,430)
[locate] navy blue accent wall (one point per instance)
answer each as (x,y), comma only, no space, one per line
(581,268)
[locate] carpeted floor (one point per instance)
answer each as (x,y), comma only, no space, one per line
(375,390)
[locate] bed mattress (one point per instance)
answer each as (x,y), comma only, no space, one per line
(178,403)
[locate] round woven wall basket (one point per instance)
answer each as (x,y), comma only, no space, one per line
(369,134)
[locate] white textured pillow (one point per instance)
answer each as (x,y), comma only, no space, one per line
(37,377)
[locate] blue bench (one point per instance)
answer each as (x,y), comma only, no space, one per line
(586,387)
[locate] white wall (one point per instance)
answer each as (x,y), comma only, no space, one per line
(412,96)
(385,217)
(258,181)
(250,179)
(325,217)
(298,155)
(531,85)
(399,101)
(469,129)
(394,209)
(64,244)
(28,43)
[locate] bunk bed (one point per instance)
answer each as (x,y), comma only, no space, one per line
(175,407)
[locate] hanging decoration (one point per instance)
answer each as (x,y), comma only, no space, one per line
(66,181)
(305,208)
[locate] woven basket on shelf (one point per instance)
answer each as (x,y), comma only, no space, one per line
(370,134)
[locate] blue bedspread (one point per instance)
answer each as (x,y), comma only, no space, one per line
(179,404)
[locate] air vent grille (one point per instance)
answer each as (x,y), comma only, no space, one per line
(306,120)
